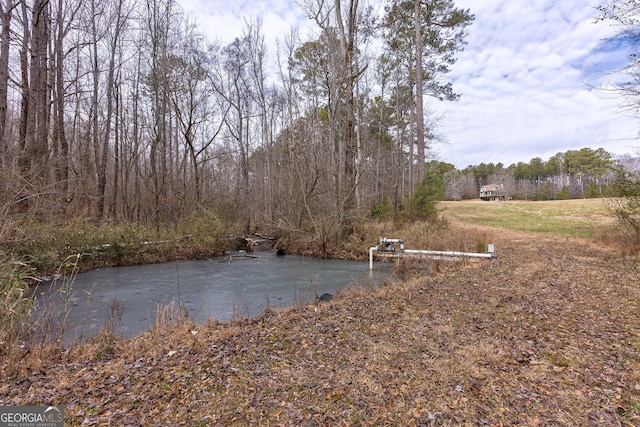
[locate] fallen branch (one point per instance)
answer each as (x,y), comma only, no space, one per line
(264,237)
(231,257)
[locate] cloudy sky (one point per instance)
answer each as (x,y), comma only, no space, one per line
(525,76)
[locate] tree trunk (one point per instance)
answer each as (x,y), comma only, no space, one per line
(6,11)
(102,163)
(113,210)
(60,137)
(419,95)
(39,114)
(23,156)
(347,42)
(158,30)
(95,135)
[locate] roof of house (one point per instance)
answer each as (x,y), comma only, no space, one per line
(491,187)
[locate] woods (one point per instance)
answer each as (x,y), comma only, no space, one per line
(124,111)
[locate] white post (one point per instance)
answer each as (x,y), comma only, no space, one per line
(371,249)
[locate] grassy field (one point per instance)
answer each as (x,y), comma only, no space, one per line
(577,218)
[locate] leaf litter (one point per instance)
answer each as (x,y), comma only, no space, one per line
(547,334)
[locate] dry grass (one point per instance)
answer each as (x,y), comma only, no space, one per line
(48,245)
(576,218)
(548,334)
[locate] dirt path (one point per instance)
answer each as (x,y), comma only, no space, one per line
(548,334)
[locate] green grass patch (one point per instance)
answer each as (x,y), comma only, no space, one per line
(558,359)
(575,218)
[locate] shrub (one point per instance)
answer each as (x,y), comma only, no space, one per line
(382,210)
(626,205)
(422,205)
(563,194)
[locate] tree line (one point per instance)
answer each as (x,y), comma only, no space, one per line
(124,111)
(582,173)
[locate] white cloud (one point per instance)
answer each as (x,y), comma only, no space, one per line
(524,82)
(224,20)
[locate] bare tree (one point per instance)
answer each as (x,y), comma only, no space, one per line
(159,15)
(420,142)
(232,82)
(39,115)
(127,112)
(267,100)
(64,19)
(340,23)
(6,12)
(347,29)
(198,117)
(623,15)
(118,18)
(34,112)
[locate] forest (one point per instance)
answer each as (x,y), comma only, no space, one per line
(123,111)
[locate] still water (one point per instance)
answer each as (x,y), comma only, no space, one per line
(221,288)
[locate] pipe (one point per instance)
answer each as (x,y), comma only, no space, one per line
(451,253)
(441,255)
(385,241)
(371,249)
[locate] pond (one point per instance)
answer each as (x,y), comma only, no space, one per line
(241,285)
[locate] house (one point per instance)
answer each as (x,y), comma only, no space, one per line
(493,192)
